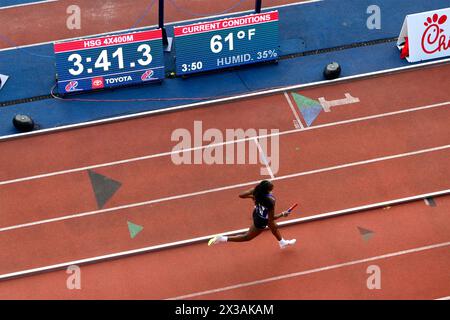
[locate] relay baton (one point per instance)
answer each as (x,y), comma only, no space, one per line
(292,207)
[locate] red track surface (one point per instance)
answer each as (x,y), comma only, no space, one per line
(356,174)
(48,22)
(169,274)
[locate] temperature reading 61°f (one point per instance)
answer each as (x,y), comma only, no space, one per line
(216,41)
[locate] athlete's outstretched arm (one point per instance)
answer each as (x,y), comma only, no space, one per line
(273,216)
(247,194)
(283,214)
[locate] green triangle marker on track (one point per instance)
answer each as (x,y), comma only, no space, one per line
(134,229)
(309,108)
(303,102)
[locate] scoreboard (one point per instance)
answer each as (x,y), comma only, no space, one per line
(226,43)
(110,61)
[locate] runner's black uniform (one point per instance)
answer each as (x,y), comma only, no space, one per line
(261,211)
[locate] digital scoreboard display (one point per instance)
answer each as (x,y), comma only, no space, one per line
(226,43)
(109,61)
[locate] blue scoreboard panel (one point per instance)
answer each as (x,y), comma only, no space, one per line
(226,43)
(109,61)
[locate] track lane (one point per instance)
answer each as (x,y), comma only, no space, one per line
(404,277)
(386,93)
(151,135)
(48,21)
(168,273)
(134,138)
(435,168)
(175,220)
(140,181)
(157,178)
(359,141)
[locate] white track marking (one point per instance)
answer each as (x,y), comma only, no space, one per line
(220,100)
(286,95)
(193,194)
(306,272)
(154,26)
(229,233)
(163,154)
(264,158)
(128,206)
(377,116)
(328,105)
(28,4)
(444,298)
(364,162)
(362,208)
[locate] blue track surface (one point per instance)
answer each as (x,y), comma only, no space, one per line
(7,3)
(326,24)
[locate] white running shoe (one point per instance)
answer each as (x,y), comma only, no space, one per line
(288,243)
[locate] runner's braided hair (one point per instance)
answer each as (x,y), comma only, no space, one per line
(261,191)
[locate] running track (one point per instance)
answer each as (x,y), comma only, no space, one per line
(393,144)
(99,16)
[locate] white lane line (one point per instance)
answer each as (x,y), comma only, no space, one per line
(169,153)
(128,206)
(28,4)
(306,272)
(221,100)
(382,115)
(180,243)
(155,25)
(286,95)
(193,194)
(264,158)
(444,298)
(364,162)
(362,208)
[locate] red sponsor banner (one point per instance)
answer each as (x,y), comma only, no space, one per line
(106,41)
(226,23)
